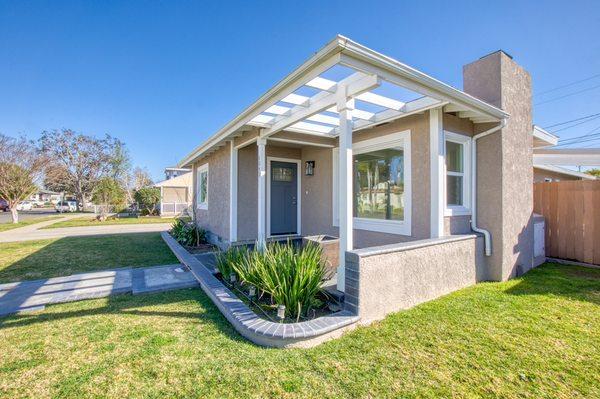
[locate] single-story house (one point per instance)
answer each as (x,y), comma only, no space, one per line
(428,187)
(549,164)
(42,196)
(175,192)
(172,172)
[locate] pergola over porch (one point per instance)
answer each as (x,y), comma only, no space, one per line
(344,88)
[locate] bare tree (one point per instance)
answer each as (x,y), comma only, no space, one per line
(21,165)
(141,178)
(78,161)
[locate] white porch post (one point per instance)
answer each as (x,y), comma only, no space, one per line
(437,151)
(345,186)
(262,192)
(233,186)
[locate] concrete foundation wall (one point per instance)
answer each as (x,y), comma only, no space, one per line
(390,278)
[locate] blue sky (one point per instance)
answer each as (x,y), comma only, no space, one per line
(163,76)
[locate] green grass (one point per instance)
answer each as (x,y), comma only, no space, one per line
(10,225)
(28,260)
(532,337)
(91,221)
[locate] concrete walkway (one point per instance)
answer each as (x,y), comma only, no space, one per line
(35,232)
(34,295)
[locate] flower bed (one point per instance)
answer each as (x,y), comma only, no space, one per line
(282,282)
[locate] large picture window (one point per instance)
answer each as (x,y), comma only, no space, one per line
(202,187)
(381,184)
(458,166)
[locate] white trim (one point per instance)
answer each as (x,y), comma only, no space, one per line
(465,208)
(566,156)
(261,201)
(547,139)
(298,162)
(301,142)
(199,170)
(403,227)
(437,159)
(233,189)
(564,171)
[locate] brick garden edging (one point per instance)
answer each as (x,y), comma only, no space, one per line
(249,324)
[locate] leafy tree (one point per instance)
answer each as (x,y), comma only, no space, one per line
(21,165)
(148,198)
(78,161)
(593,172)
(108,191)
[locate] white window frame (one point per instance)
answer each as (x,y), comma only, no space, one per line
(465,208)
(403,227)
(202,169)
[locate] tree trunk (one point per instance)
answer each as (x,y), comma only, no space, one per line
(14,213)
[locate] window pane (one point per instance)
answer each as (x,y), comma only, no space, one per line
(454,190)
(454,157)
(379,184)
(203,186)
(282,174)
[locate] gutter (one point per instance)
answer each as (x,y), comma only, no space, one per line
(486,234)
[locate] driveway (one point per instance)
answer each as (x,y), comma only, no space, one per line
(34,231)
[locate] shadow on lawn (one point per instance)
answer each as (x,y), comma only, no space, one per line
(139,305)
(573,282)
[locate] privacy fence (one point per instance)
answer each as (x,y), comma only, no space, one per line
(572,213)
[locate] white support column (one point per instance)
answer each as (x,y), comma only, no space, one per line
(262,192)
(233,188)
(437,151)
(345,186)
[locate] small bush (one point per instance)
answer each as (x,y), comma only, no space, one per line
(226,259)
(292,276)
(187,233)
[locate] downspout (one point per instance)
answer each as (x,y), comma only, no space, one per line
(486,234)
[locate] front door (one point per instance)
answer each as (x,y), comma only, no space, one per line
(284,198)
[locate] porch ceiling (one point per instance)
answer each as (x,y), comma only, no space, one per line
(379,89)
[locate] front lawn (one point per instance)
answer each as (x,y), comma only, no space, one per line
(10,225)
(535,336)
(92,221)
(29,260)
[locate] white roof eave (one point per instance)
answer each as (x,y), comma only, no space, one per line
(328,56)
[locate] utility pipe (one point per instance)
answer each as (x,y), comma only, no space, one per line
(486,234)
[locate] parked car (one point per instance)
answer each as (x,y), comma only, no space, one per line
(66,206)
(3,205)
(24,206)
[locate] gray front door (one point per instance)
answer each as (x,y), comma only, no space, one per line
(284,198)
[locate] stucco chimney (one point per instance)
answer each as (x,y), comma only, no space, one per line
(505,164)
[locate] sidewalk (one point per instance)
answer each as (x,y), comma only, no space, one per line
(35,231)
(34,295)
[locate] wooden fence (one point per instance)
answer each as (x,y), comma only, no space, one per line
(572,213)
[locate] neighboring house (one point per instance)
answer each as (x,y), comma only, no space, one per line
(547,161)
(429,188)
(42,196)
(174,172)
(175,193)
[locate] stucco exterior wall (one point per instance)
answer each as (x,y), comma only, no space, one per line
(215,219)
(390,278)
(505,164)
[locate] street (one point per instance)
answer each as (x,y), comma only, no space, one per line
(28,215)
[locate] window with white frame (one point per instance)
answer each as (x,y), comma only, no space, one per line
(202,186)
(458,169)
(381,184)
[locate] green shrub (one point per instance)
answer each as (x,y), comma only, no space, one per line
(226,259)
(292,276)
(187,233)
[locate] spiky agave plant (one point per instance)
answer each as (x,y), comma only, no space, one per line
(292,276)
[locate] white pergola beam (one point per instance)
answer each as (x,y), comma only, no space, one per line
(352,86)
(330,120)
(311,127)
(296,99)
(322,84)
(278,110)
(382,101)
